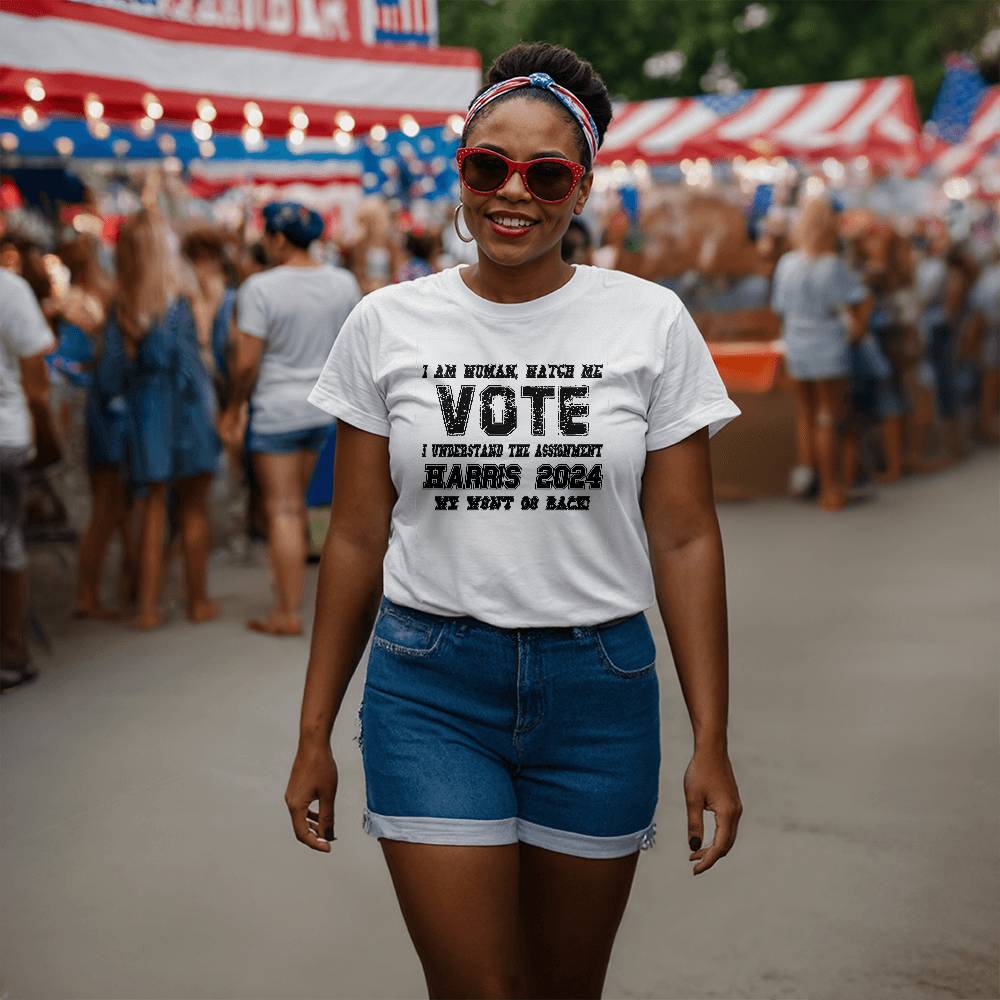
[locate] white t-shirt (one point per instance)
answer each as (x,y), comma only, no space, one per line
(23,333)
(518,436)
(297,312)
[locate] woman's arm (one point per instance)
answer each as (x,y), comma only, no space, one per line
(685,548)
(347,600)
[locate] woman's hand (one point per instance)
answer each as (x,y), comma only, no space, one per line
(314,776)
(709,784)
(232,426)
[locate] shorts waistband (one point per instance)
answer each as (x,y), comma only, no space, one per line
(469,621)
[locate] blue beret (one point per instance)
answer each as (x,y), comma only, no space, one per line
(299,224)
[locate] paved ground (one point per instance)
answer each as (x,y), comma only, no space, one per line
(147,851)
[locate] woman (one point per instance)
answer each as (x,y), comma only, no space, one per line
(152,357)
(522,458)
(821,304)
(287,319)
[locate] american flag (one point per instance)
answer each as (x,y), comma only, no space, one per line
(965,121)
(872,117)
(401,22)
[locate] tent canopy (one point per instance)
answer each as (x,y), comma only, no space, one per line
(874,117)
(128,51)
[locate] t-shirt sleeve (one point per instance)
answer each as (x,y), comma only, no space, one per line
(347,386)
(688,393)
(24,329)
(251,314)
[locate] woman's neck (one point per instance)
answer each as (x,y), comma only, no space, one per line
(520,283)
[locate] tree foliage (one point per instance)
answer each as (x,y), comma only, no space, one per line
(805,41)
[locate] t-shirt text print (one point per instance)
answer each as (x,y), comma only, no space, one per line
(518,435)
(513,417)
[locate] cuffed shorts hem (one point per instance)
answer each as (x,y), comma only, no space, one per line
(493,832)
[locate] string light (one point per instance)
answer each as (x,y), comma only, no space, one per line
(252,137)
(92,106)
(253,114)
(456,123)
(8,142)
(64,145)
(206,149)
(145,126)
(99,129)
(298,118)
(344,140)
(296,137)
(206,110)
(120,147)
(409,125)
(34,89)
(201,130)
(154,109)
(378,133)
(345,121)
(29,116)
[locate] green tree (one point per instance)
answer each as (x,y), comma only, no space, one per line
(804,41)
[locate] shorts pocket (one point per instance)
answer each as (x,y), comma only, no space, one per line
(627,648)
(397,632)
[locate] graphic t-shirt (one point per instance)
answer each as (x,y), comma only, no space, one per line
(518,435)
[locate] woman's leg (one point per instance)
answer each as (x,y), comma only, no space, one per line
(152,531)
(192,498)
(280,478)
(805,409)
(107,510)
(460,907)
(570,911)
(831,398)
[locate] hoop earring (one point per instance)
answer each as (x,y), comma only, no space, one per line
(458,208)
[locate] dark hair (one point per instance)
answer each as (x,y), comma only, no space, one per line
(567,69)
(577,235)
(204,241)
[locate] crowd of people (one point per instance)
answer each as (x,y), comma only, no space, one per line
(191,357)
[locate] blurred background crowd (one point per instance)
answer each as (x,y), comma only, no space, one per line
(169,292)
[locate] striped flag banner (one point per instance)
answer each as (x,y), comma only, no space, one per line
(872,117)
(309,56)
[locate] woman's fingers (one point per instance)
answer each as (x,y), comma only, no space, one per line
(303,832)
(726,821)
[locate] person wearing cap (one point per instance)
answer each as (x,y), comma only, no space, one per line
(286,319)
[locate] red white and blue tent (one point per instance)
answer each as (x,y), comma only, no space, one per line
(373,59)
(877,118)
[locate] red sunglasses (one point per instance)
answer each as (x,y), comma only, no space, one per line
(550,179)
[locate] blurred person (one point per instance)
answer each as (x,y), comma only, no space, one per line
(374,255)
(577,246)
(81,317)
(539,605)
(940,288)
(152,356)
(905,400)
(213,298)
(420,247)
(25,339)
(822,305)
(287,320)
(982,335)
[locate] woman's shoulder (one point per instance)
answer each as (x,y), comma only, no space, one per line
(620,286)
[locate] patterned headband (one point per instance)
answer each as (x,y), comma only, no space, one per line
(544,82)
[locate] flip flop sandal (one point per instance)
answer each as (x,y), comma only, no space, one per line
(12,677)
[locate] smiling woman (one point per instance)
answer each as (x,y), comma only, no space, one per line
(511,768)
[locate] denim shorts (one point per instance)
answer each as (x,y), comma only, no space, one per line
(285,442)
(480,735)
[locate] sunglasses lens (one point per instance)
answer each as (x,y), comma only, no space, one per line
(550,181)
(483,171)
